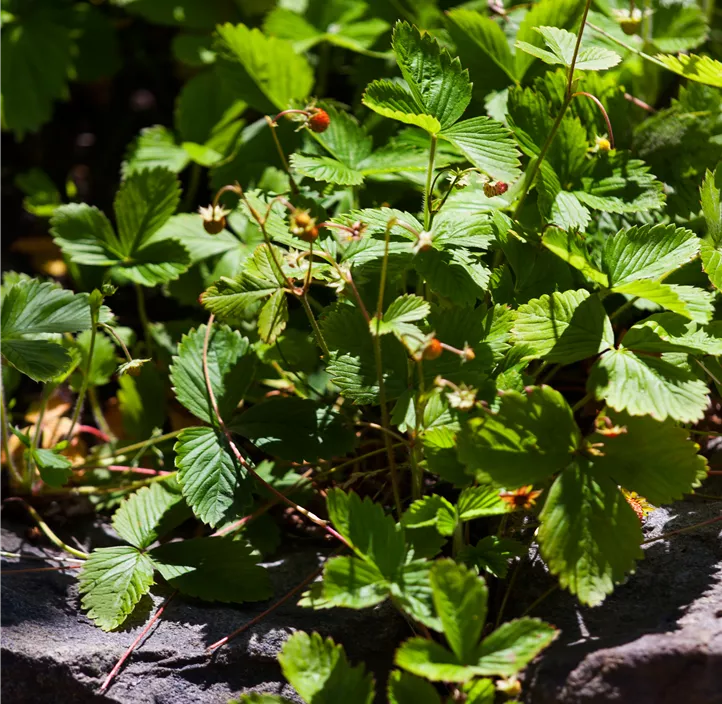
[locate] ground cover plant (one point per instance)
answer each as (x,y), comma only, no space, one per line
(425,320)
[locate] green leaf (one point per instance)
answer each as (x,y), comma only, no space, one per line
(438,84)
(103,363)
(213,569)
(273,317)
(42,196)
(111,583)
(460,599)
(407,689)
(531,437)
(512,646)
(230,369)
(154,147)
(669,332)
(569,246)
(689,301)
(84,233)
(589,536)
(555,13)
(394,101)
(647,252)
(646,385)
(492,554)
(679,28)
(263,71)
(372,533)
(33,80)
(711,207)
(487,144)
(55,469)
(296,429)
(562,43)
(702,69)
(351,583)
(655,459)
(32,308)
(214,483)
(479,501)
(149,513)
(433,661)
(319,671)
(712,262)
(326,169)
(564,327)
(400,315)
(487,35)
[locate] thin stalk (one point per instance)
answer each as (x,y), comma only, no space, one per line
(529,179)
(682,530)
(143,315)
(314,324)
(44,558)
(193,184)
(582,402)
(355,460)
(376,426)
(4,420)
(107,328)
(86,375)
(429,176)
(623,307)
(135,643)
(311,577)
(37,438)
(48,532)
(242,460)
(376,339)
(121,451)
(41,569)
(538,601)
(97,411)
(509,587)
(598,103)
(272,124)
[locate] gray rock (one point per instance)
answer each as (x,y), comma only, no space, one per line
(52,653)
(656,640)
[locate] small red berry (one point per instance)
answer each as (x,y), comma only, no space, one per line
(319,121)
(433,350)
(495,188)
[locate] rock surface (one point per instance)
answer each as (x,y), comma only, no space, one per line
(657,639)
(52,653)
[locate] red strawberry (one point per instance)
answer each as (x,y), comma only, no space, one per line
(433,350)
(319,121)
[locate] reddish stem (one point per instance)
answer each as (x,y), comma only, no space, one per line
(269,610)
(639,103)
(92,431)
(134,644)
(598,103)
(42,569)
(136,470)
(221,424)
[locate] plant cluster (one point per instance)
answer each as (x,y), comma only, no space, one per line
(432,342)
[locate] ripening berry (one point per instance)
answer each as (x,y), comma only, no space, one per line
(495,188)
(433,350)
(303,226)
(214,218)
(319,121)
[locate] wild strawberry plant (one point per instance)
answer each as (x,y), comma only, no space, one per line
(475,311)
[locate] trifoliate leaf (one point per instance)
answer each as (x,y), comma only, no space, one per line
(55,469)
(655,459)
(230,368)
(412,592)
(149,513)
(556,13)
(319,671)
(295,429)
(350,582)
(214,483)
(679,28)
(478,501)
(213,569)
(460,599)
(647,252)
(155,147)
(561,46)
(139,253)
(398,317)
(111,583)
(512,646)
(404,688)
(31,308)
(530,438)
(431,660)
(564,327)
(273,317)
(373,534)
(456,273)
(702,69)
(647,385)
(394,101)
(487,144)
(589,536)
(264,71)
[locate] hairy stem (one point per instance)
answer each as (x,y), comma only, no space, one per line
(272,124)
(429,176)
(4,420)
(143,315)
(86,374)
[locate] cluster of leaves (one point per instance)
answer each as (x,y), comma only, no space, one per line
(376,325)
